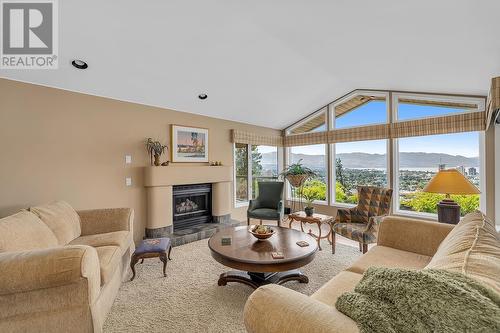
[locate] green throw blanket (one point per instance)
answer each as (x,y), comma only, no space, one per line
(397,300)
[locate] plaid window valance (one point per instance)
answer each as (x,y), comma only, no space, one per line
(454,123)
(464,122)
(256,139)
(493,103)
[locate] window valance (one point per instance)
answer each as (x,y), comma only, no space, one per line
(256,139)
(305,139)
(463,122)
(493,103)
(363,133)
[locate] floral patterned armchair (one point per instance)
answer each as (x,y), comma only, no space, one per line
(360,223)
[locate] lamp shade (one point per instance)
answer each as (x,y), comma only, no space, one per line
(450,182)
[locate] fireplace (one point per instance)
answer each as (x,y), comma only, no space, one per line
(192,205)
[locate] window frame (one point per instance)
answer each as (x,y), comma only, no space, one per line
(237,203)
(331,107)
(481,103)
(288,194)
(392,98)
(430,216)
(279,163)
(331,126)
(301,122)
(333,193)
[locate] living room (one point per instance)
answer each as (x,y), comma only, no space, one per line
(207,166)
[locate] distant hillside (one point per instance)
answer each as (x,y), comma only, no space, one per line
(364,160)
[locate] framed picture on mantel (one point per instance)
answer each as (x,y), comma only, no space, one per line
(189,144)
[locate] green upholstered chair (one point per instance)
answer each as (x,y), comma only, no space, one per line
(269,204)
(360,223)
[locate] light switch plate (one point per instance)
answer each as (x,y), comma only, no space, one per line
(128,159)
(128,181)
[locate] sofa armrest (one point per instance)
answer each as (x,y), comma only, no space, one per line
(412,235)
(25,271)
(99,221)
(276,309)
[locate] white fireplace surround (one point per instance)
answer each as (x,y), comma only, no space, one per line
(160,180)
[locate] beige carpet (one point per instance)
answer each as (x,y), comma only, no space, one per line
(189,299)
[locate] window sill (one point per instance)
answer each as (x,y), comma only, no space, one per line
(241,204)
(422,216)
(342,205)
(316,202)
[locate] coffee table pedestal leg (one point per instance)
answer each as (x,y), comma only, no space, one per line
(255,280)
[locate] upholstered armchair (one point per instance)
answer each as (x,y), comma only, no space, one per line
(269,204)
(360,223)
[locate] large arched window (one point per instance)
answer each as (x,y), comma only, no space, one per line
(393,139)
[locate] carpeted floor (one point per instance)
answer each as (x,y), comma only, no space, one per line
(189,299)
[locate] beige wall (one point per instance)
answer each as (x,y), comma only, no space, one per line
(56,144)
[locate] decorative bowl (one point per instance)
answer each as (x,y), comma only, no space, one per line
(261,236)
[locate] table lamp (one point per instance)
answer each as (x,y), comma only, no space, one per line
(448,182)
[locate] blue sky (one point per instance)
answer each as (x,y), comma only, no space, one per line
(465,144)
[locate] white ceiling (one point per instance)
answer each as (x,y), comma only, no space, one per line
(271,62)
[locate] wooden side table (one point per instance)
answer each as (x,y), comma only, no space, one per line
(318,219)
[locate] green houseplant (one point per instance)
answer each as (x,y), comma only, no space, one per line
(309,195)
(155,149)
(297,174)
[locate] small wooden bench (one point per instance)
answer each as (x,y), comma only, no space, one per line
(152,248)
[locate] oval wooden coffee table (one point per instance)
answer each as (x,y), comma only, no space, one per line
(253,258)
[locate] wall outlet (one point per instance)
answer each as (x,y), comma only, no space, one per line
(128,159)
(128,181)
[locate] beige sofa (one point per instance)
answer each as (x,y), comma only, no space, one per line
(60,270)
(472,248)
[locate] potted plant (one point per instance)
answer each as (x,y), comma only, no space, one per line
(297,174)
(156,149)
(309,197)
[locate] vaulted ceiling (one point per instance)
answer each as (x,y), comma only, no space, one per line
(271,62)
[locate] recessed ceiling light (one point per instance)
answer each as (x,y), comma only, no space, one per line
(80,64)
(202,96)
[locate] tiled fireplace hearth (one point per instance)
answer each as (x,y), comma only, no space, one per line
(187,203)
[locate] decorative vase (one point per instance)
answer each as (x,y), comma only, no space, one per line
(309,211)
(157,160)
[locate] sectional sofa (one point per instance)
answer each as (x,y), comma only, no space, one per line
(60,269)
(472,248)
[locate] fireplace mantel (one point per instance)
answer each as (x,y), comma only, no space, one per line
(186,175)
(159,181)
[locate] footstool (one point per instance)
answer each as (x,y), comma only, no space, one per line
(151,248)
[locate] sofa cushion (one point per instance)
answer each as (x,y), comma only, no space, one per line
(471,248)
(383,256)
(122,239)
(25,231)
(61,218)
(109,260)
(342,282)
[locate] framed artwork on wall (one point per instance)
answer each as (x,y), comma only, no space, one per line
(189,144)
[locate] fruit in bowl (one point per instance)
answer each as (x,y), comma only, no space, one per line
(261,232)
